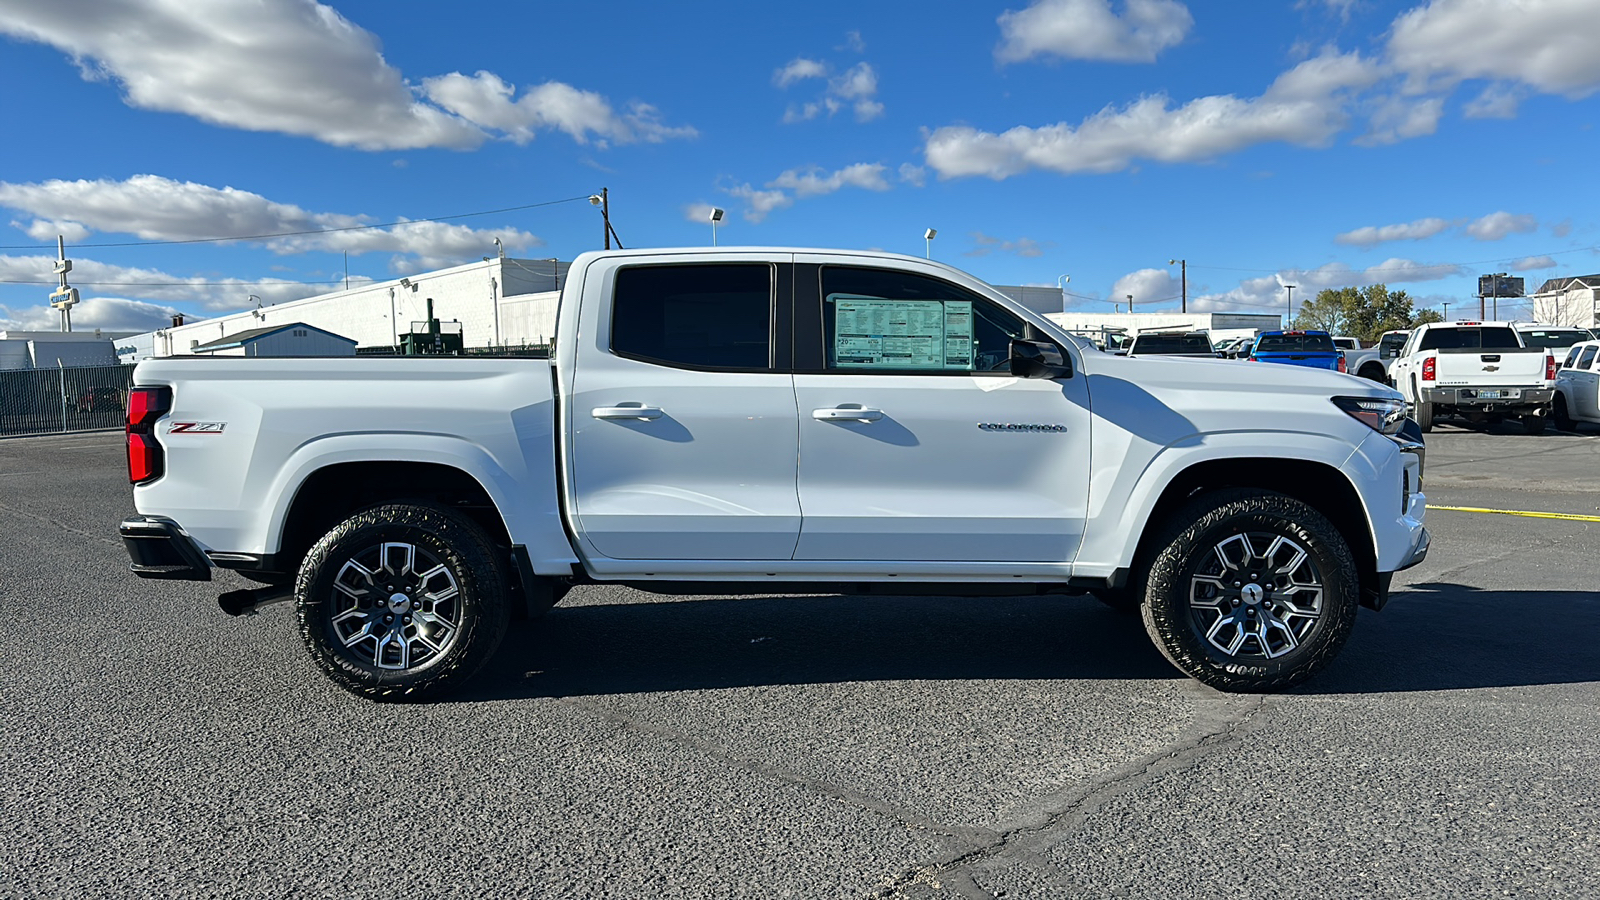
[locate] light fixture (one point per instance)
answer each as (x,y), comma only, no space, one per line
(716,217)
(595,200)
(405,283)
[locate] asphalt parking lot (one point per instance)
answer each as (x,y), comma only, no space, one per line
(633,745)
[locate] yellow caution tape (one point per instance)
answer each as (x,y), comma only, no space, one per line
(1571,517)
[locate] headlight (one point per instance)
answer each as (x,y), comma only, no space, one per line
(1381,414)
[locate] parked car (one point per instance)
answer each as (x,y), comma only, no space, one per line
(1550,337)
(807,421)
(1578,386)
(1477,370)
(1172,343)
(1311,349)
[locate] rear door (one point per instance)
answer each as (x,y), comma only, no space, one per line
(916,444)
(682,413)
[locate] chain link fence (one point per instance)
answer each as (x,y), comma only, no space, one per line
(53,401)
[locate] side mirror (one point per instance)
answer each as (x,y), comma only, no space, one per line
(1039,359)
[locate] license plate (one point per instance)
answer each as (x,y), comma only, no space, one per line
(1488,395)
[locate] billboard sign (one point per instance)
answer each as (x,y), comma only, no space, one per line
(1499,286)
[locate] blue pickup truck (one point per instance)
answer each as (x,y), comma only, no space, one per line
(1313,349)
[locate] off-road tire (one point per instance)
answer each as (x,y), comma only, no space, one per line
(467,624)
(1190,541)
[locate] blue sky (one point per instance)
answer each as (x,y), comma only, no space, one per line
(1320,143)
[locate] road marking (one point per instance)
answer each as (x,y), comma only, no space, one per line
(1572,517)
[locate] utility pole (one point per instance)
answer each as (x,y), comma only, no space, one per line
(1183,269)
(1130,303)
(63,297)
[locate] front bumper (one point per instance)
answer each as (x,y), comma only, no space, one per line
(1498,397)
(158,547)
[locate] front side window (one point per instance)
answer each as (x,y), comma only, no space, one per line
(1572,357)
(694,316)
(880,320)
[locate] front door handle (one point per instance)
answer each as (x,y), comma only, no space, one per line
(625,412)
(847,414)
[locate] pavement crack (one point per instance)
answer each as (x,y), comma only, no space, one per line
(61,525)
(1072,810)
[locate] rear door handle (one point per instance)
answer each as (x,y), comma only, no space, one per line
(625,412)
(846,414)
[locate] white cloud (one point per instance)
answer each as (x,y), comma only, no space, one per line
(93,277)
(1089,29)
(914,175)
(46,230)
(1146,286)
(1023,246)
(1531,263)
(811,182)
(759,203)
(296,67)
(160,209)
(1302,107)
(856,88)
(699,213)
(1497,225)
(1269,295)
(105,313)
(1340,8)
(1396,119)
(853,42)
(1545,44)
(1370,236)
(799,69)
(486,100)
(1497,101)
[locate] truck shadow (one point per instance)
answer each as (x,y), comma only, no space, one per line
(1431,637)
(1442,636)
(674,644)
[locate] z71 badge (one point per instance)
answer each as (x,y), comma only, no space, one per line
(197,427)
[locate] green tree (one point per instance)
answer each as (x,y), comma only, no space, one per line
(1364,312)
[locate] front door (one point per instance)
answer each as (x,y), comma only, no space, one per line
(916,444)
(682,417)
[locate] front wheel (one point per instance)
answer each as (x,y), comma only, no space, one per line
(1253,591)
(1425,416)
(1559,412)
(402,602)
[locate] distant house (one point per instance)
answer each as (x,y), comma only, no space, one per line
(295,339)
(1571,301)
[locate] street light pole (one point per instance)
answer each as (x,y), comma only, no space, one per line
(1130,303)
(1288,317)
(1183,268)
(1447,311)
(928,236)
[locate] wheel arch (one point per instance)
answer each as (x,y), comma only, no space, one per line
(1319,485)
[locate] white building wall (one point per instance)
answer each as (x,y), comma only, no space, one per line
(374,315)
(1575,308)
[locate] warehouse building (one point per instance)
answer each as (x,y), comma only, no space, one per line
(498,302)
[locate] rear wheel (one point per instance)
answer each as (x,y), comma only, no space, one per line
(1535,424)
(1254,591)
(1425,416)
(1373,372)
(1559,412)
(402,602)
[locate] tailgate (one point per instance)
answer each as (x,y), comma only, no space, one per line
(1524,365)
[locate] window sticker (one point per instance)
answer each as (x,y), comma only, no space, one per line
(871,332)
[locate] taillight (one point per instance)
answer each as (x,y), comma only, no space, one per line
(1549,367)
(1430,369)
(145,458)
(1342,365)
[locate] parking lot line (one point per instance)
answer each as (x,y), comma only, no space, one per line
(1574,517)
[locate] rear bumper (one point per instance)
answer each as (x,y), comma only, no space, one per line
(1498,399)
(158,547)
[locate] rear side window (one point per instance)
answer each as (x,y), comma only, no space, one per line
(1588,357)
(1156,344)
(695,317)
(1499,338)
(1295,343)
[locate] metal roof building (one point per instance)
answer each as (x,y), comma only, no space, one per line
(294,339)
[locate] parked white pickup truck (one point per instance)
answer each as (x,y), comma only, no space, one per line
(1367,363)
(1477,370)
(758,420)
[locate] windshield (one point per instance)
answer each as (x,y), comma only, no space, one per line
(1498,337)
(1171,343)
(1553,337)
(1295,343)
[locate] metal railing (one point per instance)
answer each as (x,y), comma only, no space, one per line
(53,401)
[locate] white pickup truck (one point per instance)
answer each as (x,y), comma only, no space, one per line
(734,421)
(1480,371)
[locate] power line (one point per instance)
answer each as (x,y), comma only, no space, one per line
(1415,266)
(190,283)
(278,234)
